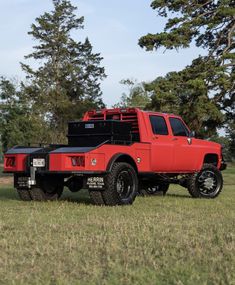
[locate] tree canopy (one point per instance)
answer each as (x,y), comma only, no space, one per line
(18,124)
(137,96)
(204,92)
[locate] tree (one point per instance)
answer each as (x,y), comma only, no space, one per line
(18,125)
(231,138)
(137,95)
(67,81)
(211,25)
(186,93)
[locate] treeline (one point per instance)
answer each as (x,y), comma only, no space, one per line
(67,80)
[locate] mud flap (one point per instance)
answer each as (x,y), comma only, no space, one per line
(95,183)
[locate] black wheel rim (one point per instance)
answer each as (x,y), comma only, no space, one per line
(125,185)
(208,183)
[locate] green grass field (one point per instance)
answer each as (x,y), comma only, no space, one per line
(158,240)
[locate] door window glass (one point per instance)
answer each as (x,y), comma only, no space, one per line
(159,126)
(178,128)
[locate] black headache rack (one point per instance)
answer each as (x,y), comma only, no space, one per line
(94,133)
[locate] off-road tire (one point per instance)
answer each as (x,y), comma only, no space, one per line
(196,184)
(75,184)
(156,190)
(24,194)
(39,194)
(96,197)
(116,181)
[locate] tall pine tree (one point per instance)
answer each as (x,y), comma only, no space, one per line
(67,81)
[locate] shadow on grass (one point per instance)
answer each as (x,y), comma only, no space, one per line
(7,193)
(81,197)
(77,199)
(179,196)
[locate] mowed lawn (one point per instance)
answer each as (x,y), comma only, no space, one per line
(158,240)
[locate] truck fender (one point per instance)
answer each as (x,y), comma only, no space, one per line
(121,157)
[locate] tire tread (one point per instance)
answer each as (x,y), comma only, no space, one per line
(110,195)
(192,189)
(97,198)
(24,194)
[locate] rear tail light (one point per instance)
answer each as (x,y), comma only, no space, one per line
(78,160)
(10,162)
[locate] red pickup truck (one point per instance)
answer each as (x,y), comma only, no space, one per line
(116,154)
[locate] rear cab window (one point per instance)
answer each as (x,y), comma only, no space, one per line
(178,128)
(159,126)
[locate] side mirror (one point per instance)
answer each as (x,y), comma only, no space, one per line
(192,134)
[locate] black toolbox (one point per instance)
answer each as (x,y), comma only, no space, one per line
(93,133)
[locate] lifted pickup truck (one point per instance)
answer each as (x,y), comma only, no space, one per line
(116,154)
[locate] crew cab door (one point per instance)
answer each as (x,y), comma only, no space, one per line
(161,146)
(185,153)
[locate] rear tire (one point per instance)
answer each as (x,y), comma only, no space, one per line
(121,185)
(207,183)
(38,194)
(74,184)
(24,194)
(97,198)
(48,189)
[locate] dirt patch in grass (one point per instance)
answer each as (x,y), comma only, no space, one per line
(6,180)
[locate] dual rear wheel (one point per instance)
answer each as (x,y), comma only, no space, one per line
(47,189)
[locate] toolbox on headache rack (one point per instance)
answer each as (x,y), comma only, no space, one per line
(93,133)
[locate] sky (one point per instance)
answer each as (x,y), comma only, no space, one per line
(113,28)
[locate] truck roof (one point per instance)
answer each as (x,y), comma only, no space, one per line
(100,113)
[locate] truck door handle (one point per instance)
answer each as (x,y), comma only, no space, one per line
(174,139)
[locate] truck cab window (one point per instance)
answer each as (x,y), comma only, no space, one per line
(178,128)
(159,126)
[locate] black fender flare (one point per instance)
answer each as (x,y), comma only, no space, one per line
(121,157)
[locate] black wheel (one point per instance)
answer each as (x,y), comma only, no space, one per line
(74,184)
(24,194)
(121,185)
(160,188)
(49,188)
(96,197)
(207,183)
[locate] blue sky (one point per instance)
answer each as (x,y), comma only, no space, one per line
(113,28)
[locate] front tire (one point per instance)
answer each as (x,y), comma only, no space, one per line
(207,183)
(121,185)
